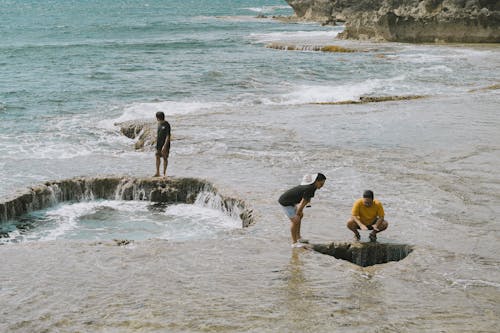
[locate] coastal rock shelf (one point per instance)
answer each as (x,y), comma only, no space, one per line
(365,254)
(416,21)
(172,190)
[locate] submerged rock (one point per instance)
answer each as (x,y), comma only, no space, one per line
(417,21)
(373,99)
(171,190)
(325,48)
(492,87)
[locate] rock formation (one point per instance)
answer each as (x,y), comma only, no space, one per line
(142,131)
(325,48)
(170,190)
(416,21)
(365,254)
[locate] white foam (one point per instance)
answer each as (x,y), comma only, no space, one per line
(306,94)
(436,68)
(440,54)
(309,37)
(141,111)
(181,221)
(67,215)
(203,215)
(266,9)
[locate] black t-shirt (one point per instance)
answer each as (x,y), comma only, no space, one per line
(294,195)
(163,133)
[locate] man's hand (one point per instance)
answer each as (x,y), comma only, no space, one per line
(296,219)
(358,222)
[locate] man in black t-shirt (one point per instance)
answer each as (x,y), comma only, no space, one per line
(295,199)
(162,143)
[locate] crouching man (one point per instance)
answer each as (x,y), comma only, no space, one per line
(367,214)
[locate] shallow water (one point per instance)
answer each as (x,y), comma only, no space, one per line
(241,119)
(122,220)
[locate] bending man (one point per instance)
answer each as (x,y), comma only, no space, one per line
(295,199)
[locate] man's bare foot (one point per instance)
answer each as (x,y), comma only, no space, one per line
(156,175)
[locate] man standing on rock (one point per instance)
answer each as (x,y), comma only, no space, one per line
(367,214)
(162,143)
(296,199)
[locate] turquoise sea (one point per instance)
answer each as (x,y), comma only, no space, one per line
(252,120)
(67,67)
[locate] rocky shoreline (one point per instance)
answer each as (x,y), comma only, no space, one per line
(457,21)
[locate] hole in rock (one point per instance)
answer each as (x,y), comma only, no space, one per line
(121,207)
(365,254)
(118,219)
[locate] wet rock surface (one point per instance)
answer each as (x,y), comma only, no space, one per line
(465,21)
(365,254)
(144,132)
(373,99)
(316,48)
(171,190)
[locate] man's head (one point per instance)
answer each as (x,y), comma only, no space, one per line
(316,179)
(320,181)
(160,116)
(368,198)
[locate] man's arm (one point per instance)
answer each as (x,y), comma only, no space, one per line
(376,226)
(380,219)
(301,206)
(358,222)
(165,145)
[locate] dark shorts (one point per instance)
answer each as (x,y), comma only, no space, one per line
(370,226)
(159,154)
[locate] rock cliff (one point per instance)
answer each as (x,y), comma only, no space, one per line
(416,21)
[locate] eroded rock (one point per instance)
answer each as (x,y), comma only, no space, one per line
(465,21)
(373,99)
(171,190)
(143,132)
(324,48)
(365,254)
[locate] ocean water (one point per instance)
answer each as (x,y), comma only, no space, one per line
(244,116)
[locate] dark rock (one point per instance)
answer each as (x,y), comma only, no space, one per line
(144,132)
(365,254)
(373,99)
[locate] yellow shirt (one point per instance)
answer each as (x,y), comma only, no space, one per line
(367,215)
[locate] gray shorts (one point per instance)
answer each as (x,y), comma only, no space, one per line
(290,211)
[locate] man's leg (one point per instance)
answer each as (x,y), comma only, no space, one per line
(165,164)
(158,162)
(381,227)
(353,226)
(298,230)
(295,228)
